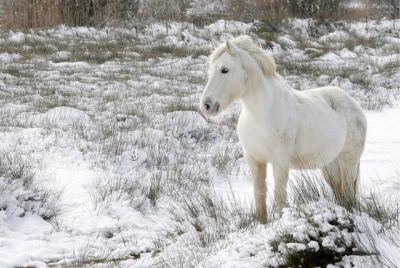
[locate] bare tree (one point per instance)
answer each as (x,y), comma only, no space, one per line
(164,9)
(315,8)
(383,8)
(129,8)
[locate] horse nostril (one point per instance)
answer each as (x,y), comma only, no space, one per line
(216,107)
(207,103)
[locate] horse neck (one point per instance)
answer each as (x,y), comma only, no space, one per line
(264,95)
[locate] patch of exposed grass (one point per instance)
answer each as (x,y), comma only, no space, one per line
(179,105)
(211,215)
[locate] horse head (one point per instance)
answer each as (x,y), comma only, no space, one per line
(232,64)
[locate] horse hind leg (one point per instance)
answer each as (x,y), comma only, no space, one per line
(343,178)
(332,175)
(356,174)
(350,178)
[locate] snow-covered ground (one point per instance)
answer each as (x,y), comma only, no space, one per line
(380,169)
(105,160)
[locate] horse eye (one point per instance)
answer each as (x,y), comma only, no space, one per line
(224,70)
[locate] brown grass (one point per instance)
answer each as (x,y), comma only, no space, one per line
(23,15)
(331,10)
(27,14)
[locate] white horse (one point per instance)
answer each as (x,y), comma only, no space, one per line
(318,128)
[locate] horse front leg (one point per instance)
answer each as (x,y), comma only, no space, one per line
(259,172)
(281,177)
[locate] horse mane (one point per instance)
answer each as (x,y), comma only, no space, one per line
(245,44)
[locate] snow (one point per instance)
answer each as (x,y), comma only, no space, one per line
(331,57)
(6,57)
(313,245)
(16,37)
(287,41)
(57,117)
(230,26)
(101,138)
(61,55)
(381,159)
(347,54)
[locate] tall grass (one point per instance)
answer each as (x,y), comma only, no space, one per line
(27,14)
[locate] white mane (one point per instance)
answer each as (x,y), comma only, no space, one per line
(245,45)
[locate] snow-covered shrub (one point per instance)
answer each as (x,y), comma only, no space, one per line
(322,234)
(61,56)
(21,194)
(309,186)
(141,195)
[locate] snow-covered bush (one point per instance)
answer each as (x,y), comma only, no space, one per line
(21,194)
(326,235)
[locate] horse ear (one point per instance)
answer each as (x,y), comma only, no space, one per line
(231,48)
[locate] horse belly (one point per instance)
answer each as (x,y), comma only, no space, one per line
(318,147)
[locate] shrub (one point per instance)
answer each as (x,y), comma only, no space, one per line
(20,191)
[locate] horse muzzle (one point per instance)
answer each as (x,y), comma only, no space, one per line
(209,107)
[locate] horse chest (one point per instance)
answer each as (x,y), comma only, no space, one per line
(260,141)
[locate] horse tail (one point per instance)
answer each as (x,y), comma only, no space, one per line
(344,180)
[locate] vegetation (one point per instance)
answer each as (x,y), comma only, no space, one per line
(26,14)
(136,91)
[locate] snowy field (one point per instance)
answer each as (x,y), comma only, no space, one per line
(105,160)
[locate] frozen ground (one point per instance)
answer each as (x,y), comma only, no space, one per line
(105,160)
